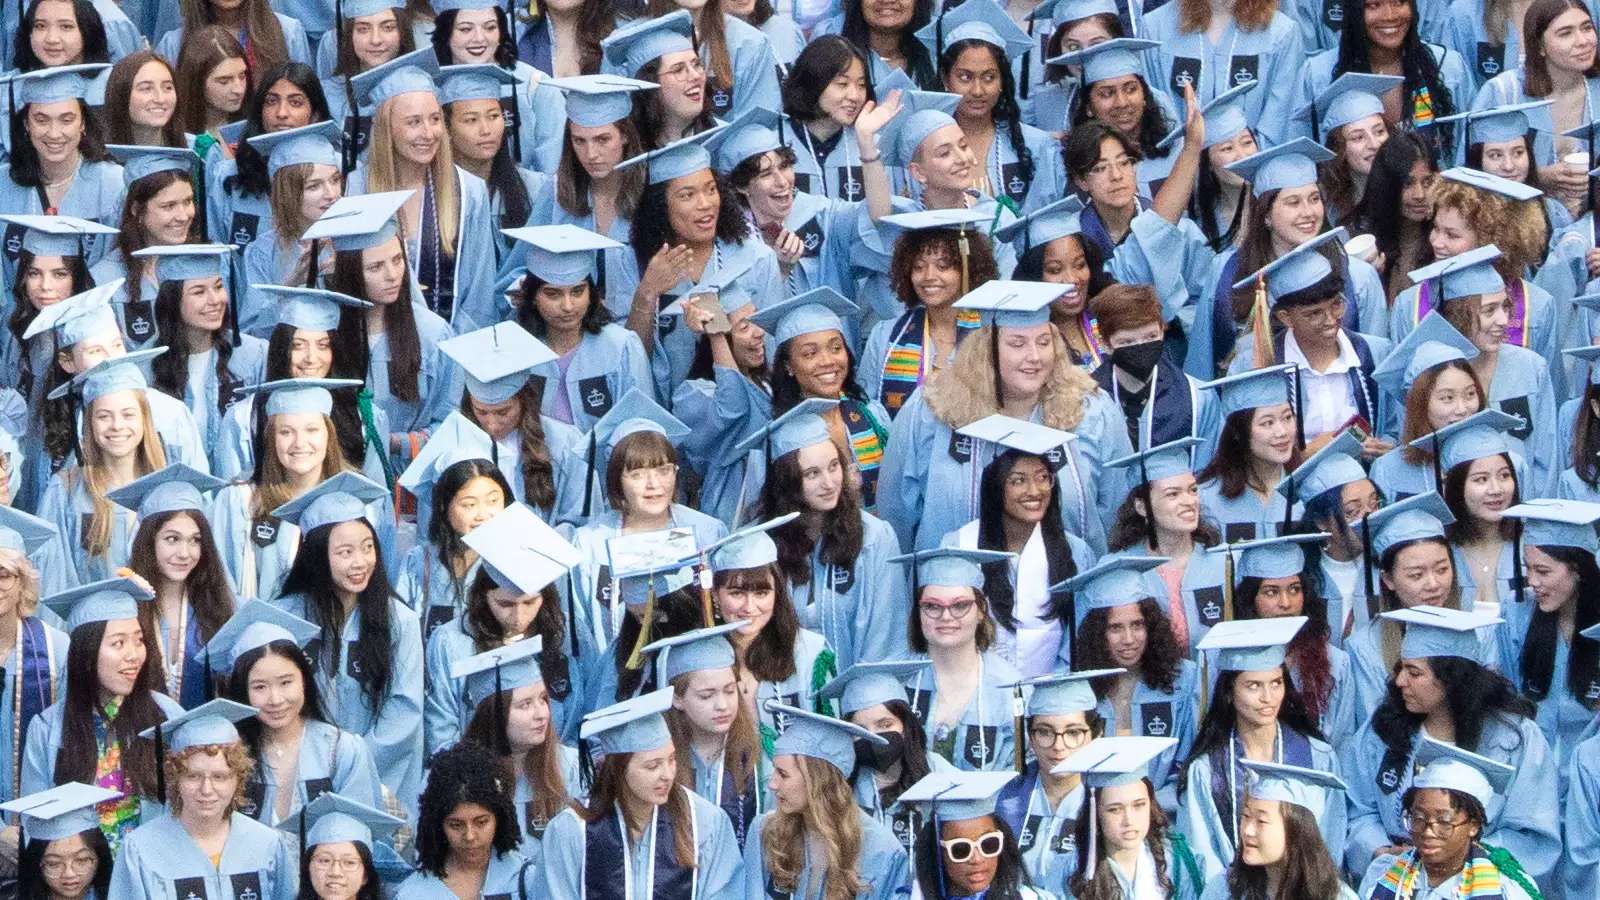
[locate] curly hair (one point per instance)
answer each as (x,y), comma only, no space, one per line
(979,266)
(458,775)
(842,534)
(1101,884)
(652,225)
(964,391)
(235,754)
(832,819)
(1162,660)
(1517,227)
(1472,693)
(1130,529)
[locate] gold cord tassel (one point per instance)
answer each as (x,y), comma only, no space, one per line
(705,590)
(1227,585)
(636,658)
(1261,325)
(966,253)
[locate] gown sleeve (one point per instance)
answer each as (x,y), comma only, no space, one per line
(904,469)
(719,856)
(354,774)
(1580,873)
(561,875)
(1199,820)
(395,734)
(441,710)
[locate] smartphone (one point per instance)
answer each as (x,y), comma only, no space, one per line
(719,323)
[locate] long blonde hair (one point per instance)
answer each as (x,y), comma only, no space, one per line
(832,817)
(273,490)
(964,392)
(383,169)
(149,457)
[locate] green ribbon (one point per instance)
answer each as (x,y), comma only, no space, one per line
(1510,868)
(1003,202)
(364,406)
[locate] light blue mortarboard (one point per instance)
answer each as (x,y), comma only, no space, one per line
(1589,354)
(409,73)
(682,157)
(139,161)
(1108,59)
(636,412)
(124,373)
(1494,184)
(640,42)
(816,736)
(55,84)
(1063,693)
(356,9)
(1335,465)
(921,114)
(1270,557)
(1547,522)
(596,100)
(336,819)
(1443,766)
(1253,389)
(1464,275)
(251,627)
(181,262)
(751,547)
(359,222)
(953,796)
(1434,631)
(1592,632)
(633,726)
(456,439)
(22,532)
(1497,124)
(208,724)
(1163,461)
(55,235)
(342,498)
(1251,645)
(1484,433)
(1013,304)
(974,21)
(951,566)
(751,134)
(1109,583)
(652,562)
(867,684)
(288,396)
(1020,435)
(1300,268)
(178,486)
(959,219)
(79,316)
(562,254)
(309,309)
(1433,342)
(1045,224)
(60,812)
(1223,114)
(107,600)
(1291,164)
(802,426)
(1060,12)
(506,668)
(1351,97)
(1114,761)
(700,650)
(1415,518)
(1305,788)
(819,309)
(520,551)
(480,81)
(314,144)
(497,360)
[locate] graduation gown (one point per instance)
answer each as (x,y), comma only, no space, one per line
(438,386)
(1317,74)
(675,343)
(445,710)
(29,688)
(860,610)
(122,33)
(881,865)
(1565,718)
(1450,888)
(258,554)
(1217,889)
(1245,517)
(247,365)
(1370,676)
(1535,324)
(620,275)
(580,858)
(832,171)
(1039,644)
(903,822)
(159,859)
(95,194)
(294,40)
(813,667)
(897,357)
(234,453)
(1580,821)
(1175,409)
(722,412)
(393,731)
(982,740)
(827,226)
(594,375)
(1157,713)
(509,877)
(331,760)
(427,585)
(566,448)
(1184,870)
(233,217)
(67,505)
(714,782)
(186,668)
(1046,835)
(1200,589)
(533,826)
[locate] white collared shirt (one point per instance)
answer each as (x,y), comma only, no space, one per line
(1328,396)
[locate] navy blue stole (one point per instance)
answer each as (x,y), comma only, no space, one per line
(1296,752)
(605,845)
(436,268)
(741,808)
(34,657)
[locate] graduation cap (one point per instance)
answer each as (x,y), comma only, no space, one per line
(1013,304)
(597,100)
(107,600)
(456,439)
(1494,184)
(633,726)
(950,566)
(123,373)
(316,144)
(1045,224)
(520,551)
(209,724)
(1109,762)
(1484,433)
(337,819)
(647,566)
(750,547)
(359,222)
(868,684)
(562,254)
(309,309)
(819,309)
(921,114)
(1064,693)
(182,262)
(176,487)
(1063,11)
(1443,766)
(1111,582)
(631,47)
(356,9)
(1547,522)
(700,650)
(803,425)
(1252,645)
(1467,274)
(408,73)
(251,627)
(1018,434)
(1305,788)
(1415,518)
(1271,557)
(286,396)
(1432,343)
(477,81)
(54,84)
(342,498)
(682,157)
(1351,97)
(65,236)
(141,161)
(974,21)
(79,316)
(1161,461)
(498,360)
(1335,465)
(1498,124)
(1108,59)
(498,670)
(953,796)
(62,811)
(820,737)
(22,532)
(1288,165)
(753,133)
(1224,117)
(1253,389)
(1298,269)
(1433,631)
(637,412)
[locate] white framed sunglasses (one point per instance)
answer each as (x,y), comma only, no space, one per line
(988,846)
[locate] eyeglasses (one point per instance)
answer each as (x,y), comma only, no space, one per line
(956,610)
(1440,826)
(685,69)
(639,476)
(82,864)
(349,865)
(988,846)
(1329,310)
(1049,737)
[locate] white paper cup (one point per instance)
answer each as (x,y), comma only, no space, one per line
(1578,160)
(1363,247)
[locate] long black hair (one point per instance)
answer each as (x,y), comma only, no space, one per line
(24,312)
(786,392)
(1536,668)
(250,178)
(1216,726)
(30,859)
(651,228)
(992,536)
(594,319)
(825,58)
(1380,210)
(171,369)
(1006,111)
(1153,123)
(913,752)
(918,64)
(1203,202)
(1417,64)
(504,180)
(371,662)
(311,708)
(96,49)
(1009,874)
(346,414)
(1472,692)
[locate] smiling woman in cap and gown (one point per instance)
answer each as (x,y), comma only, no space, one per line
(311,159)
(467,832)
(1429,377)
(204,846)
(346,846)
(667,838)
(1281,852)
(739,77)
(50,246)
(60,848)
(1259,442)
(815,816)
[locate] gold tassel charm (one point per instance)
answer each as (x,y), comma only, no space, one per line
(1261,325)
(636,658)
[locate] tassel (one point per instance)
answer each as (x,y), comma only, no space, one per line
(301,828)
(161,764)
(1018,712)
(1374,606)
(588,482)
(1438,467)
(572,613)
(585,765)
(704,576)
(1261,325)
(1227,582)
(209,685)
(1149,503)
(636,658)
(1516,564)
(233,295)
(516,132)
(501,738)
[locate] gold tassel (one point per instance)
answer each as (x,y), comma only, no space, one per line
(705,589)
(1227,584)
(966,252)
(1261,325)
(636,658)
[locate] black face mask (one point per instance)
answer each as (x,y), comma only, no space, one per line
(878,756)
(1138,360)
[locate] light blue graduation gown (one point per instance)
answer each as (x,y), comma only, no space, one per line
(160,859)
(881,865)
(532,847)
(569,468)
(188,683)
(983,737)
(1398,479)
(827,227)
(95,194)
(271,545)
(755,72)
(596,374)
(266,261)
(233,217)
(234,455)
(1519,820)
(1370,676)
(509,877)
(122,33)
(438,383)
(1047,640)
(1186,884)
(873,252)
(393,731)
(1563,717)
(1270,56)
(44,680)
(928,482)
(813,667)
(247,365)
(445,710)
(564,872)
(1317,75)
(1580,822)
(836,175)
(135,311)
(294,40)
(1004,170)
(862,611)
(1541,330)
(1046,835)
(621,275)
(1200,586)
(426,585)
(44,742)
(1157,713)
(1246,516)
(67,505)
(675,343)
(720,414)
(331,760)
(1217,889)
